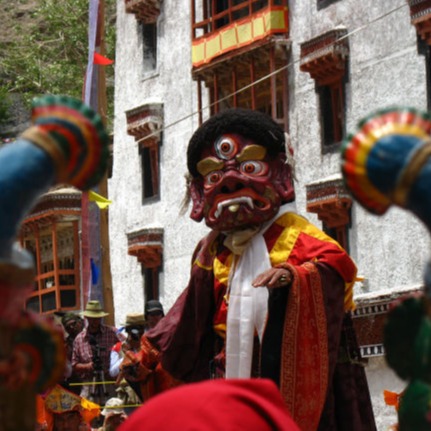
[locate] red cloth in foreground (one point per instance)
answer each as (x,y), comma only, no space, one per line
(228,405)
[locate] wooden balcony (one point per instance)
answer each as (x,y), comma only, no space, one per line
(236,26)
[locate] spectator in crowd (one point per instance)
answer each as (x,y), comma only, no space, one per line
(92,349)
(153,313)
(73,324)
(213,405)
(114,415)
(134,326)
(62,410)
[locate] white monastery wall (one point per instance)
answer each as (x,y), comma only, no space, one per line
(385,69)
(171,85)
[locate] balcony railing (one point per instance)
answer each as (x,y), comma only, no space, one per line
(231,24)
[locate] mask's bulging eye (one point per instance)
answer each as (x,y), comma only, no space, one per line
(252,167)
(225,148)
(213,178)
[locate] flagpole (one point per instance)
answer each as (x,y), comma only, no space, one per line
(88,97)
(108,296)
(95,96)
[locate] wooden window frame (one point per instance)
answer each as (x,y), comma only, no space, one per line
(332,114)
(147,246)
(145,123)
(325,58)
(150,171)
(59,278)
(331,201)
(151,278)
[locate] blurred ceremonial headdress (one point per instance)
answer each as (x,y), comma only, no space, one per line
(59,400)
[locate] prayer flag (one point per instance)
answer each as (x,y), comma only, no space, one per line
(101,60)
(94,272)
(99,200)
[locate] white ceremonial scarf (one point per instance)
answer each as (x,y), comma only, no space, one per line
(248,306)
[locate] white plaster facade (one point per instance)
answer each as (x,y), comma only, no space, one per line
(385,69)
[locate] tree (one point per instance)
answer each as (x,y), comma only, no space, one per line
(47,51)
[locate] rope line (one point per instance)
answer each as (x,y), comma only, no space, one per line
(111,382)
(120,407)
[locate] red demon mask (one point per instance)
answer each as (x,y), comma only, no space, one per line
(239,184)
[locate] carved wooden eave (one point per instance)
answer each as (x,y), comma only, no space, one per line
(147,246)
(330,200)
(369,318)
(145,11)
(325,56)
(145,123)
(60,204)
(241,58)
(420,17)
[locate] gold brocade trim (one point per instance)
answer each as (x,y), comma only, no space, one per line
(44,141)
(295,225)
(221,270)
(410,173)
(304,371)
(200,265)
(220,330)
(13,274)
(208,248)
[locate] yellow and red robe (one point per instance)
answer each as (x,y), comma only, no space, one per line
(301,346)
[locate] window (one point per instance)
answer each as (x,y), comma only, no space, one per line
(325,59)
(151,283)
(329,199)
(145,124)
(55,247)
(150,168)
(146,13)
(425,50)
(331,107)
(147,246)
(149,43)
(420,17)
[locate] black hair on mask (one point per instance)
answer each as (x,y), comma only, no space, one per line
(255,125)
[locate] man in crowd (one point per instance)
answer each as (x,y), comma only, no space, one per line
(91,353)
(114,415)
(73,324)
(129,391)
(153,313)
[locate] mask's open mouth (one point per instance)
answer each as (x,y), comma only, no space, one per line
(233,205)
(248,198)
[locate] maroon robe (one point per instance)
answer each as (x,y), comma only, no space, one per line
(187,345)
